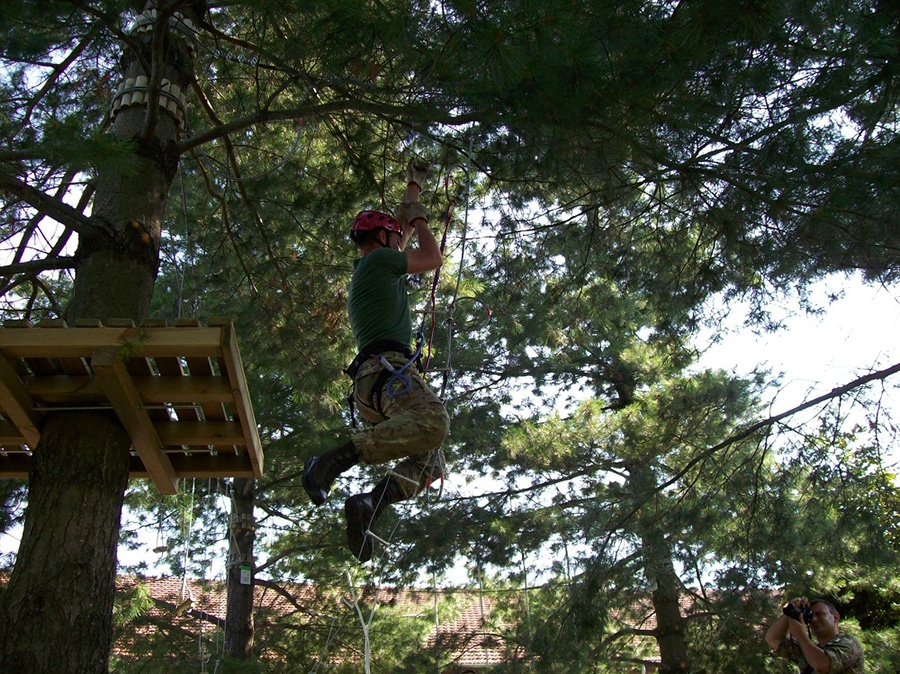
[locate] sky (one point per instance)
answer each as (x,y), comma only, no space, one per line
(856,334)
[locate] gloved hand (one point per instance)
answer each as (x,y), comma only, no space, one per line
(409,211)
(416,172)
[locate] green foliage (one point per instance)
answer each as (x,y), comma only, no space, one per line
(628,162)
(133,606)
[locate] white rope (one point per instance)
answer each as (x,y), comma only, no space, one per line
(437,622)
(187,524)
(324,652)
(367,655)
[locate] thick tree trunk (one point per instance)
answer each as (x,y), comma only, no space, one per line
(58,608)
(239,614)
(57,613)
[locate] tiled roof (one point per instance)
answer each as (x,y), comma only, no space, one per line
(471,640)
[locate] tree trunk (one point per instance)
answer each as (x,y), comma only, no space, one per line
(659,571)
(57,612)
(239,614)
(669,623)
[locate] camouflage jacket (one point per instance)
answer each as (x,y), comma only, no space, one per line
(845,652)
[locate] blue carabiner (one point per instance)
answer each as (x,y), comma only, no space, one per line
(399,374)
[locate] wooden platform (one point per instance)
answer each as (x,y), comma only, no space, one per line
(179,391)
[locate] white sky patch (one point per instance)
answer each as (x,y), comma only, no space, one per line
(856,334)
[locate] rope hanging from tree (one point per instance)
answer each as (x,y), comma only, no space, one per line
(448,321)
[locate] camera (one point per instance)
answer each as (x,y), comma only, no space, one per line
(795,612)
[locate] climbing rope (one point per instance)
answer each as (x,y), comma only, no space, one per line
(449,320)
(448,218)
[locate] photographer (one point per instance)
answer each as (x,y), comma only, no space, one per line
(833,651)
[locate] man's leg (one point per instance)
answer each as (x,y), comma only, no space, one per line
(363,510)
(407,480)
(320,471)
(404,424)
(410,423)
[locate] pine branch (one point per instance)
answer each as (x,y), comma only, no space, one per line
(34,222)
(62,213)
(836,392)
(55,75)
(34,267)
(383,110)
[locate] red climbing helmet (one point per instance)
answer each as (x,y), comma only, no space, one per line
(368,221)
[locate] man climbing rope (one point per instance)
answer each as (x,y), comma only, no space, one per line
(409,420)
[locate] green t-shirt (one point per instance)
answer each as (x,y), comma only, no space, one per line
(845,652)
(378,305)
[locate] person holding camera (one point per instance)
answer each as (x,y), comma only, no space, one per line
(790,636)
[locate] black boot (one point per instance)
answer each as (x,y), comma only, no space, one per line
(363,510)
(319,471)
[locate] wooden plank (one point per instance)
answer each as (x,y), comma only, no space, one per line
(243,410)
(145,368)
(41,367)
(179,390)
(59,389)
(71,366)
(37,365)
(17,405)
(203,367)
(113,376)
(200,465)
(200,433)
(194,423)
(80,342)
(156,390)
(171,367)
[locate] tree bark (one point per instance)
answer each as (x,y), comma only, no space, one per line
(239,626)
(57,612)
(659,571)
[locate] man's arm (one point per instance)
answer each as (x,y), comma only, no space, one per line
(415,177)
(414,218)
(408,227)
(777,632)
(428,255)
(815,657)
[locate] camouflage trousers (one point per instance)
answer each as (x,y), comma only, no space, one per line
(407,424)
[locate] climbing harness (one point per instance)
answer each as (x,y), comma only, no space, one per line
(386,377)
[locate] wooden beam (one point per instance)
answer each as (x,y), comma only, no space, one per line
(61,389)
(201,465)
(10,436)
(113,376)
(213,389)
(80,342)
(17,405)
(200,433)
(213,466)
(231,360)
